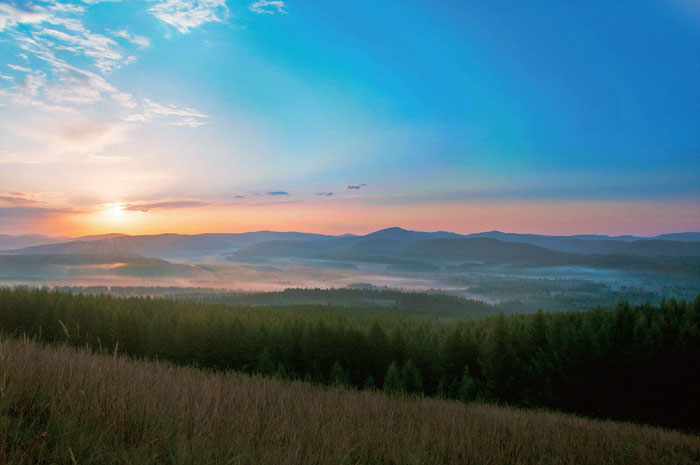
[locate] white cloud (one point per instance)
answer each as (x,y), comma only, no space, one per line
(190,122)
(149,110)
(20,68)
(185,15)
(11,16)
(64,105)
(268,7)
(32,83)
(140,41)
(104,51)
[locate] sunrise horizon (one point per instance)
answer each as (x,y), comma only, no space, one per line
(207,115)
(293,232)
(359,232)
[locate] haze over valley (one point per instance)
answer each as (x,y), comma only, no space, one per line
(292,232)
(553,272)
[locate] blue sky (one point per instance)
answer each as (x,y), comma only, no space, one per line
(211,105)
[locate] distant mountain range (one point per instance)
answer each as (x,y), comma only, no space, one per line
(394,247)
(165,246)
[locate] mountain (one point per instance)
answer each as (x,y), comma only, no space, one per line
(558,243)
(657,247)
(385,246)
(75,265)
(27,240)
(682,237)
(96,237)
(433,254)
(388,251)
(602,245)
(165,246)
(404,235)
(480,248)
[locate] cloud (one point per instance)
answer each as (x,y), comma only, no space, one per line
(20,68)
(16,198)
(11,16)
(238,197)
(104,51)
(325,194)
(47,33)
(28,213)
(149,110)
(140,41)
(168,205)
(268,7)
(10,158)
(185,15)
(277,193)
(355,187)
(66,135)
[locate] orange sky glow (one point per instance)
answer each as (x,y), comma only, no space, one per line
(337,217)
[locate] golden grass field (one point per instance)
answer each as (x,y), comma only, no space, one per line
(58,405)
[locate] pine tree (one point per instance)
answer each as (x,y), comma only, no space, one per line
(467,387)
(392,381)
(411,378)
(265,364)
(338,376)
(369,384)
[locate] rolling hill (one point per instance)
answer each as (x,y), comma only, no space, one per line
(165,246)
(395,247)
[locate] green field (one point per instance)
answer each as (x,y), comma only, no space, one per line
(634,363)
(59,405)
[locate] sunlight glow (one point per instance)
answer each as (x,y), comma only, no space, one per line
(115,215)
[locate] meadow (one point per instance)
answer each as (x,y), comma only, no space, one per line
(68,406)
(635,363)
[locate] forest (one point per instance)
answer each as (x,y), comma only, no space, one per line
(635,363)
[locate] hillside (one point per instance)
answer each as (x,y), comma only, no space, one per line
(687,244)
(480,248)
(62,406)
(8,242)
(266,245)
(165,246)
(545,360)
(81,264)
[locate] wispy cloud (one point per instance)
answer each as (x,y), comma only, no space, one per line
(355,187)
(268,7)
(23,69)
(11,16)
(75,38)
(168,205)
(277,193)
(11,158)
(69,80)
(185,15)
(140,41)
(325,194)
(16,198)
(149,110)
(25,213)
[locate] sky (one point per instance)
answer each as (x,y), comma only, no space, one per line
(194,116)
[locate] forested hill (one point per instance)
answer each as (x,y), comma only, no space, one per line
(391,242)
(635,363)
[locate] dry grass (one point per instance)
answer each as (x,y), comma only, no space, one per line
(62,406)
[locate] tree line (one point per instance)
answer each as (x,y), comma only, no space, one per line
(636,363)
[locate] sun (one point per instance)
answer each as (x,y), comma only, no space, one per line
(114,214)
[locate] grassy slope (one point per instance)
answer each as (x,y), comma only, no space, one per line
(62,406)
